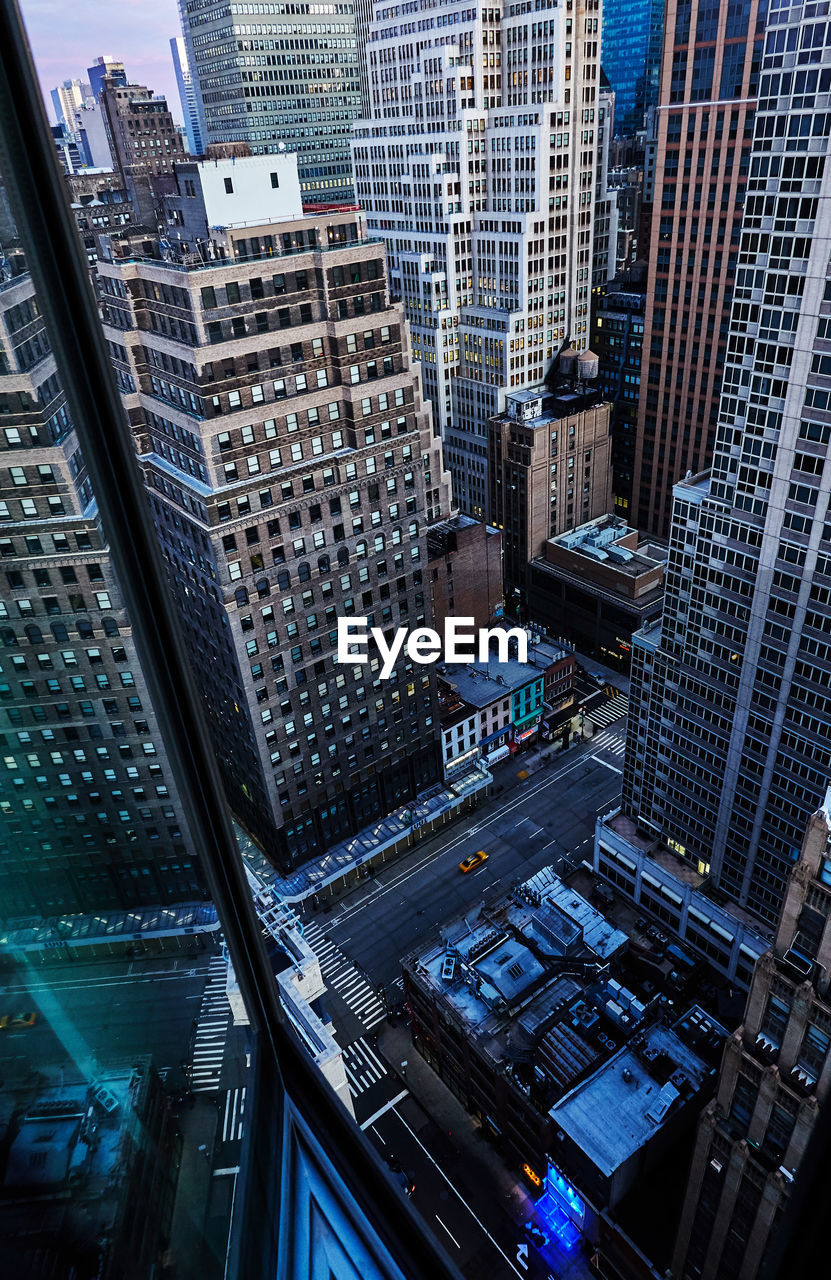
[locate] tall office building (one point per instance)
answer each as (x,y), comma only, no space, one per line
(106,65)
(90,819)
(187,95)
(709,81)
(729,741)
(550,470)
(67,99)
(144,139)
(631,55)
(775,1076)
(284,79)
(605,237)
(294,474)
(477,167)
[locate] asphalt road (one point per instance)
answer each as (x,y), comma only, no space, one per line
(94,1014)
(546,819)
(476,1233)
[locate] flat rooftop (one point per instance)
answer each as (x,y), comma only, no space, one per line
(481,683)
(511,972)
(617,1109)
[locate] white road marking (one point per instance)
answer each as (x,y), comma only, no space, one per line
(463,836)
(386,1107)
(606,765)
(449,1232)
(458,1194)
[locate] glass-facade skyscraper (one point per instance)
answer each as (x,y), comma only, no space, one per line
(631,58)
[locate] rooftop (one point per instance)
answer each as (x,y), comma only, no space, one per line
(481,683)
(611,542)
(617,1109)
(537,407)
(529,979)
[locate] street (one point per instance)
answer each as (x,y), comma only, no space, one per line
(468,1198)
(90,1015)
(102,1011)
(548,818)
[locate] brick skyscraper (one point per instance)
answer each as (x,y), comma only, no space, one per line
(294,473)
(709,85)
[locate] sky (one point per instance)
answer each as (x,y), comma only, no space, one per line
(68,35)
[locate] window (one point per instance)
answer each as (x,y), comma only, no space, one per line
(275,179)
(229,187)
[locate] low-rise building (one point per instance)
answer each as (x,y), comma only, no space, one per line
(581,1075)
(596,586)
(665,882)
(495,708)
(80,1157)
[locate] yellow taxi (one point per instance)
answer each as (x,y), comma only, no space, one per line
(475,860)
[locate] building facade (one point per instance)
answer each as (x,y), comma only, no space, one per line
(294,474)
(617,340)
(597,585)
(631,53)
(89,812)
(101,204)
(105,66)
(549,470)
(144,139)
(700,157)
(729,743)
(280,86)
(67,99)
(606,216)
(91,133)
(775,1075)
(477,166)
(465,561)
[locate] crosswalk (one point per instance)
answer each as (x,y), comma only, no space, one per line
(609,742)
(233,1116)
(363,1066)
(342,976)
(609,711)
(211,1030)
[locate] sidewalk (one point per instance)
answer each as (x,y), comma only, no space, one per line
(483,1164)
(191,1255)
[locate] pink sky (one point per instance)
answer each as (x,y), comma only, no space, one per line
(68,35)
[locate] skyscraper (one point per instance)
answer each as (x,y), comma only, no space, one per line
(775,1076)
(187,95)
(631,56)
(729,742)
(477,167)
(280,83)
(294,474)
(709,81)
(90,819)
(67,99)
